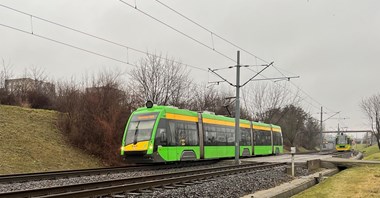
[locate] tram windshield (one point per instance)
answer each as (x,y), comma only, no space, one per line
(140,128)
(341,140)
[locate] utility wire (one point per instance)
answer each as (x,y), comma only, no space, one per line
(140,51)
(308,95)
(67,44)
(93,36)
(179,31)
(233,44)
(213,33)
(303,99)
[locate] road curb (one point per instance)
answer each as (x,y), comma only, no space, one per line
(295,186)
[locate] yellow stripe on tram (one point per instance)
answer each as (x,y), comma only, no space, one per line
(225,123)
(181,117)
(261,128)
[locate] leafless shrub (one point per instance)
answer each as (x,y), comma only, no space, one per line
(95,116)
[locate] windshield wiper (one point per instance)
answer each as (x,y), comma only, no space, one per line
(136,131)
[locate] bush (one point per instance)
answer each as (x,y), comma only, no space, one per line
(8,98)
(39,100)
(94,119)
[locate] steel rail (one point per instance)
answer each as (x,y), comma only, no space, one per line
(24,177)
(135,183)
(64,174)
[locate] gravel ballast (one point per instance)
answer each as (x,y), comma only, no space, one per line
(229,186)
(226,186)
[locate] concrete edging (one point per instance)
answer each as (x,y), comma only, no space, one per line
(293,187)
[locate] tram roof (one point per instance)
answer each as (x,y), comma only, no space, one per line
(186,112)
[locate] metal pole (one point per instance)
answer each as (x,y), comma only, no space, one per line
(320,146)
(292,164)
(237,111)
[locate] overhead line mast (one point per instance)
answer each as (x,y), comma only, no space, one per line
(237,99)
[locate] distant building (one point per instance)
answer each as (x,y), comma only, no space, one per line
(23,85)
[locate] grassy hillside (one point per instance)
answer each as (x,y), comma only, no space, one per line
(370,153)
(30,142)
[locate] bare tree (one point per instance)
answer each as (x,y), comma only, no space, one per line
(37,73)
(309,138)
(5,73)
(292,124)
(371,107)
(264,99)
(161,80)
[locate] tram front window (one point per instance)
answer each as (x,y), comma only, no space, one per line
(341,140)
(140,130)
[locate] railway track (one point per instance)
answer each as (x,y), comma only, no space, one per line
(124,186)
(17,178)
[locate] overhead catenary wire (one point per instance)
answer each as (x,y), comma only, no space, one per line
(127,47)
(302,99)
(308,95)
(233,44)
(208,30)
(67,44)
(93,36)
(179,31)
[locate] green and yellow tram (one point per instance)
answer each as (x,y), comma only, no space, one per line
(343,142)
(169,134)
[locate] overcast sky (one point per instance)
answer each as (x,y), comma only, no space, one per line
(332,45)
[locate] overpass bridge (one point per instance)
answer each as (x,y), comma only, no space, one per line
(350,131)
(370,138)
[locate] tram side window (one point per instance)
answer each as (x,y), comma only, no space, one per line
(182,133)
(219,135)
(192,133)
(245,137)
(161,135)
(268,139)
(230,132)
(210,135)
(277,138)
(262,138)
(258,138)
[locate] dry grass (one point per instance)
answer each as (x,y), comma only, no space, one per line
(363,181)
(360,181)
(370,153)
(30,142)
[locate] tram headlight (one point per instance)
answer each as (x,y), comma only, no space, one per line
(149,104)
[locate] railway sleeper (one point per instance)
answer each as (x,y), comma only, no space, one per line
(156,189)
(188,183)
(145,191)
(169,187)
(118,196)
(197,182)
(179,185)
(133,193)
